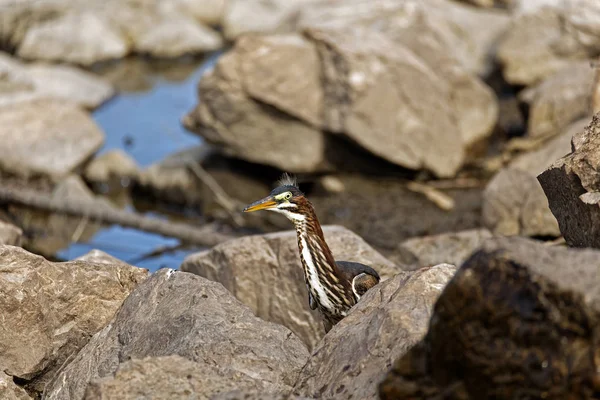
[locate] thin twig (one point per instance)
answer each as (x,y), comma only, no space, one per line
(440,199)
(230,205)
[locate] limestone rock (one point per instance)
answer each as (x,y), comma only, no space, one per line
(571,185)
(492,3)
(168,377)
(514,203)
(451,248)
(264,272)
(256,16)
(518,317)
(20,82)
(99,257)
(176,313)
(245,395)
(10,234)
(47,138)
(87,32)
(467,34)
(546,39)
(250,130)
(361,66)
(50,310)
(114,165)
(560,100)
(387,322)
(9,389)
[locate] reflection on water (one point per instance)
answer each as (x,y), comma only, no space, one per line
(144,121)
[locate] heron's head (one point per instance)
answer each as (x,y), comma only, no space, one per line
(285,199)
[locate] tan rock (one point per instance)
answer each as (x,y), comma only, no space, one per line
(571,185)
(560,100)
(387,322)
(227,117)
(176,313)
(264,272)
(500,322)
(46,138)
(22,82)
(10,234)
(168,377)
(450,248)
(514,202)
(51,309)
(114,165)
(9,390)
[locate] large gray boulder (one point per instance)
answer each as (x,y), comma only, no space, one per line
(519,318)
(572,184)
(260,107)
(180,314)
(354,356)
(46,138)
(23,82)
(50,310)
(514,202)
(264,272)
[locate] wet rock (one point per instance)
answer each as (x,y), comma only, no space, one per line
(114,167)
(10,234)
(169,377)
(176,313)
(387,322)
(514,202)
(46,138)
(560,100)
(251,130)
(518,317)
(571,185)
(451,248)
(547,39)
(92,31)
(50,310)
(264,272)
(21,82)
(9,389)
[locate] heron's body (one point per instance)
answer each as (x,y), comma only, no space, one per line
(333,287)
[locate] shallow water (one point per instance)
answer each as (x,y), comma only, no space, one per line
(145,124)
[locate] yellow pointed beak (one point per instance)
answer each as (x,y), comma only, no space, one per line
(263,204)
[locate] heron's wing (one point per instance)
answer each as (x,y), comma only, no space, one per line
(311,301)
(363,282)
(360,275)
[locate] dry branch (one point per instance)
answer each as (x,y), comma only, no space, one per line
(101,212)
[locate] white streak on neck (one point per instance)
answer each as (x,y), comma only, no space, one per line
(313,275)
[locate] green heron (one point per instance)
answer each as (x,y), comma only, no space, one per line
(333,286)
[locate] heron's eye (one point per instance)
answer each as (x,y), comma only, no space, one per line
(288,195)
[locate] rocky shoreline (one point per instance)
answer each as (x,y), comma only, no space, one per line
(451,145)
